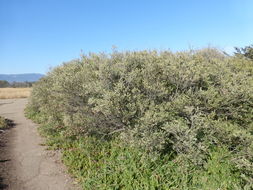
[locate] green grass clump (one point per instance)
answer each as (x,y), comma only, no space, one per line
(115,166)
(171,116)
(3,123)
(100,164)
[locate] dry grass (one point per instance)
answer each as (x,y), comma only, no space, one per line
(6,93)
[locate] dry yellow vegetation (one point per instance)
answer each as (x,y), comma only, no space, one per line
(6,93)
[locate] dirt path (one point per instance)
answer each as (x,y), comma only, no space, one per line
(24,163)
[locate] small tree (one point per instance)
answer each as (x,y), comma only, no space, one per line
(4,84)
(247,51)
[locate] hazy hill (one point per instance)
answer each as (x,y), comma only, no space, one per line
(29,77)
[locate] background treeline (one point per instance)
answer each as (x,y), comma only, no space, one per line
(6,84)
(151,120)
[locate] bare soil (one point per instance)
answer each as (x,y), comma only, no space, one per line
(24,163)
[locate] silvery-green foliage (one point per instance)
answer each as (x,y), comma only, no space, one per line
(182,104)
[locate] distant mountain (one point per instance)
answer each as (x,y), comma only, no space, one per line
(29,77)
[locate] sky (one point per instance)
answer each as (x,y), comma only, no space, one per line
(36,35)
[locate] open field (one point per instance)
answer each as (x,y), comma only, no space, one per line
(7,93)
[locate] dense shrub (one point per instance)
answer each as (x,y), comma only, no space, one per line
(182,104)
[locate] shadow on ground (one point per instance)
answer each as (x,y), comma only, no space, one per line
(6,103)
(4,134)
(2,185)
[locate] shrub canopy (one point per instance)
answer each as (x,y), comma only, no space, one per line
(184,104)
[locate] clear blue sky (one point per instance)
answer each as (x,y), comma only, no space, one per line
(38,34)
